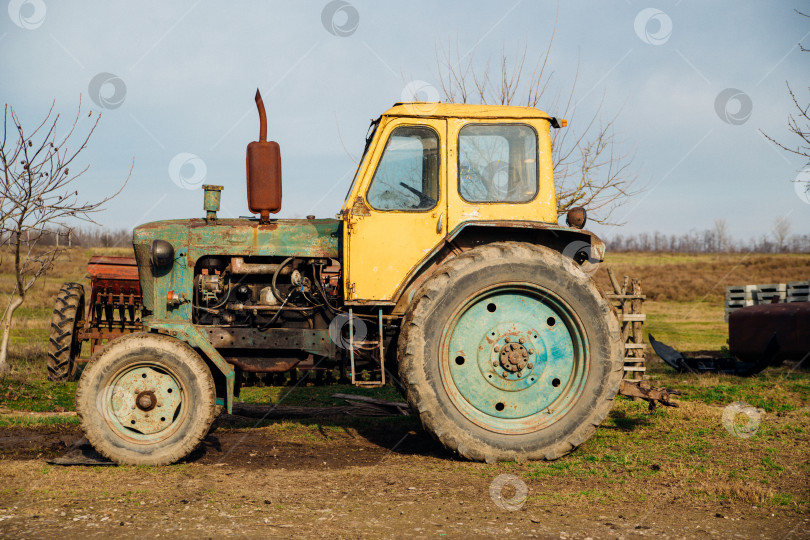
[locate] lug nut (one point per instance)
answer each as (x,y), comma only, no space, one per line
(494,363)
(531,351)
(521,340)
(530,365)
(497,348)
(506,340)
(505,374)
(519,374)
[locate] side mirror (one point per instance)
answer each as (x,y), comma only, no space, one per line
(263,171)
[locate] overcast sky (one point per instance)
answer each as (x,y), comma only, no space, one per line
(691,85)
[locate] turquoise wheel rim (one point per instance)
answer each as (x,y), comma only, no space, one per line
(514,358)
(145,403)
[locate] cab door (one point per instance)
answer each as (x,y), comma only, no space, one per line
(501,170)
(396,213)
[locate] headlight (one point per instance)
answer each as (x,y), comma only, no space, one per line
(161,254)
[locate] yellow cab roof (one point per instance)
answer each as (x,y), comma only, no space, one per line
(463,110)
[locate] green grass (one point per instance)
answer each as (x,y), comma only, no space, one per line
(30,421)
(312,396)
(776,390)
(38,395)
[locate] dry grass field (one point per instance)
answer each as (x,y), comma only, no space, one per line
(673,473)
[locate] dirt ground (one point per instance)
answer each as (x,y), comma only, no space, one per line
(357,479)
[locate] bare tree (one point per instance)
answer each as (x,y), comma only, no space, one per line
(799,121)
(38,196)
(589,168)
(781,232)
(721,235)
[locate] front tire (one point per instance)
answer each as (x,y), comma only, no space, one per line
(509,352)
(147,399)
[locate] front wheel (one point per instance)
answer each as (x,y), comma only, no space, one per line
(509,352)
(147,399)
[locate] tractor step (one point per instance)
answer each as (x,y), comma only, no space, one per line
(353,345)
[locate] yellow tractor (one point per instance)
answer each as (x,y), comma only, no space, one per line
(445,273)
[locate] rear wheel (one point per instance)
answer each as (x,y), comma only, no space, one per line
(509,352)
(147,399)
(64,345)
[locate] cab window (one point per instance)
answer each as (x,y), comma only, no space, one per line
(407,177)
(497,163)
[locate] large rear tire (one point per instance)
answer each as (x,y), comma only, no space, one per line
(146,399)
(510,352)
(64,345)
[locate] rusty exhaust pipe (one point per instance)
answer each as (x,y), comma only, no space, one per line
(262,117)
(263,171)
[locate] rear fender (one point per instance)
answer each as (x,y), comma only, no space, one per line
(567,241)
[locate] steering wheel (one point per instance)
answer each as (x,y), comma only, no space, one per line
(424,200)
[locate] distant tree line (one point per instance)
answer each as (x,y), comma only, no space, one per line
(86,238)
(714,240)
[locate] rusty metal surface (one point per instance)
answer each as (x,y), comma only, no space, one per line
(263,170)
(304,339)
(751,328)
(115,302)
(114,268)
(211,199)
(563,235)
(89,332)
(239,266)
(196,238)
(145,403)
(643,390)
(266,365)
(576,217)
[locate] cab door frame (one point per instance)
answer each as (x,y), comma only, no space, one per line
(381,247)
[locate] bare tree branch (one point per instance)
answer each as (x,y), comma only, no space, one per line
(589,168)
(798,122)
(38,196)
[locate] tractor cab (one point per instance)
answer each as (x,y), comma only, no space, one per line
(429,171)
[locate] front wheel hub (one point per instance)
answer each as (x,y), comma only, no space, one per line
(146,401)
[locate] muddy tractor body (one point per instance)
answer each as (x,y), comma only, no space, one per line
(444,273)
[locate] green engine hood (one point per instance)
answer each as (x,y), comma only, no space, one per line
(195,238)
